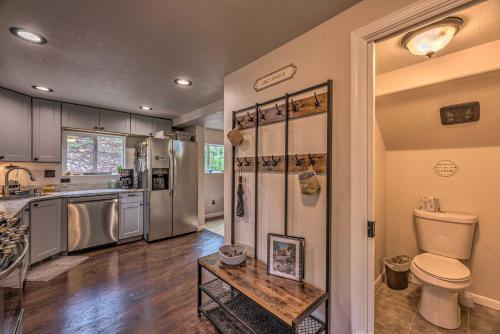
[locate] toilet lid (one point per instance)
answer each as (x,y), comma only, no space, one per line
(442,267)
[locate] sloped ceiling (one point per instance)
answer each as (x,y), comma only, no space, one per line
(410,120)
(120,54)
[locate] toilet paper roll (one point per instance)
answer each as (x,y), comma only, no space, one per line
(429,203)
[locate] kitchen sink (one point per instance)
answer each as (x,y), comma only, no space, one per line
(21,196)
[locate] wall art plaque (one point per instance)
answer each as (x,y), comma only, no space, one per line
(276,77)
(445,168)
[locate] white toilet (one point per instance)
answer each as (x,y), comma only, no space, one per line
(445,238)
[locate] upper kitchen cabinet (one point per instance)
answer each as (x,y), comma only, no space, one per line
(160,124)
(46,131)
(15,128)
(141,125)
(80,117)
(114,121)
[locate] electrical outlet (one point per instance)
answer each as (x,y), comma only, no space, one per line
(49,173)
(213,202)
(65,180)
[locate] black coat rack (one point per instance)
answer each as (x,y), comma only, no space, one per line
(291,110)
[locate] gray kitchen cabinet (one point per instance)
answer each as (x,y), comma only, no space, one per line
(45,229)
(114,121)
(141,125)
(160,124)
(131,217)
(15,128)
(46,131)
(80,117)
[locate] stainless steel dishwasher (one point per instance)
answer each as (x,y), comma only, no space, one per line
(92,221)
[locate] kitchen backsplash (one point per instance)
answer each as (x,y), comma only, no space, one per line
(77,182)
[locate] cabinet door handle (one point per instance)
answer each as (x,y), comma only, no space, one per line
(36,159)
(96,128)
(102,128)
(35,205)
(2,157)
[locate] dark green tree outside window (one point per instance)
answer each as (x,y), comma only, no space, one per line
(214,158)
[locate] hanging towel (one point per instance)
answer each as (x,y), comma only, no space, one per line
(240,211)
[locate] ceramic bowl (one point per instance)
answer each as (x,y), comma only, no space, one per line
(233,255)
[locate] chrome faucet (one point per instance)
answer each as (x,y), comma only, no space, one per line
(10,169)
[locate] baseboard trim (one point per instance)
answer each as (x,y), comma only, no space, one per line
(485,301)
(201,228)
(215,214)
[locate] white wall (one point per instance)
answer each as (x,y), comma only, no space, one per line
(214,182)
(380,170)
(320,54)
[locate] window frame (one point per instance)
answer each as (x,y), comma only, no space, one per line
(206,162)
(64,161)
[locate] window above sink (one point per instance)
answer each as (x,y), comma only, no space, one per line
(86,153)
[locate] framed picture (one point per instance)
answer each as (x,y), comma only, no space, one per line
(285,256)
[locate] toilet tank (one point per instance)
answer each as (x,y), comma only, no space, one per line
(444,233)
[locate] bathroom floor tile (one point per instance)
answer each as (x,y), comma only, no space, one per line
(396,313)
(484,320)
(420,325)
(395,310)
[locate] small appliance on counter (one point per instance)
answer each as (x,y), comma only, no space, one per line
(126,179)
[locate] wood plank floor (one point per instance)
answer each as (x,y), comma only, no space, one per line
(133,288)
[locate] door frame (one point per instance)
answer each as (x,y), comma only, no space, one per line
(362,130)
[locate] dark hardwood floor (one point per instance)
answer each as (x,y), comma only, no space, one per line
(132,288)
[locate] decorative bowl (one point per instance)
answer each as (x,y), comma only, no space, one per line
(233,255)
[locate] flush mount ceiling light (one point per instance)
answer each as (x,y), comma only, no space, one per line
(428,40)
(42,88)
(183,82)
(145,108)
(28,36)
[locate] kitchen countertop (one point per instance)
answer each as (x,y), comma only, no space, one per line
(10,208)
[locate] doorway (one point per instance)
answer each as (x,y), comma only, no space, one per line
(362,150)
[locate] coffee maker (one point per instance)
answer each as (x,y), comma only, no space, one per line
(127,178)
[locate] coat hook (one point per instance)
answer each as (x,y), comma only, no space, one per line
(239,162)
(311,160)
(261,114)
(294,106)
(275,162)
(247,163)
(264,162)
(278,111)
(298,161)
(317,104)
(249,117)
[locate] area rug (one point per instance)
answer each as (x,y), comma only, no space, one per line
(46,271)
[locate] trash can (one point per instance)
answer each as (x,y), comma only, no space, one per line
(397,270)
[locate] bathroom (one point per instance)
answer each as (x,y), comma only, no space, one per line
(452,156)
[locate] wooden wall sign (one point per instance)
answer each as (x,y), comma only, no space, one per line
(274,78)
(445,168)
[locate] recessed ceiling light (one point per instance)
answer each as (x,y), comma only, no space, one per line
(183,82)
(42,88)
(28,35)
(145,108)
(428,40)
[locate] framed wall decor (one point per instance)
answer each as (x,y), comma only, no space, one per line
(285,256)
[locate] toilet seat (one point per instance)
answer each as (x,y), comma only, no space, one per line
(441,267)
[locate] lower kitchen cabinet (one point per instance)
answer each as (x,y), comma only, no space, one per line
(45,229)
(131,220)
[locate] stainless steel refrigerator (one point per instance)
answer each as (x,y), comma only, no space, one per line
(169,173)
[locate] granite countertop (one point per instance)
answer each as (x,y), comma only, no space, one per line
(10,208)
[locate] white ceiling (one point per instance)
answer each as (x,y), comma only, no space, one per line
(481,25)
(120,54)
(211,121)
